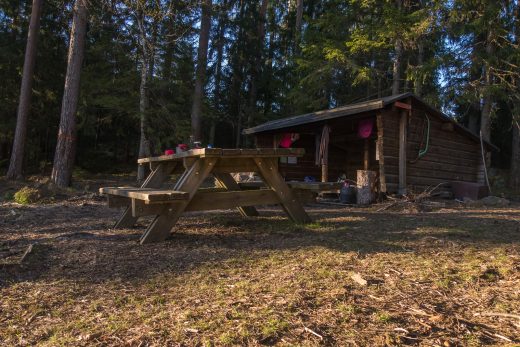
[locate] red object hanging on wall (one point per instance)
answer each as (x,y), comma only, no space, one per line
(365,128)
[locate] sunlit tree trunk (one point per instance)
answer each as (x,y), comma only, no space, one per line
(66,145)
(200,75)
(144,143)
(15,170)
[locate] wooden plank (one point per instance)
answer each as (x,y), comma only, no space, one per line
(146,194)
(380,144)
(232,199)
(251,185)
(402,105)
(366,154)
(218,152)
(225,180)
(402,151)
(189,182)
(154,180)
(232,165)
(315,186)
(273,179)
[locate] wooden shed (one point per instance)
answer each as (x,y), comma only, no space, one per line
(408,143)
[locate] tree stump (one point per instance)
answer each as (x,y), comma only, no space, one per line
(365,186)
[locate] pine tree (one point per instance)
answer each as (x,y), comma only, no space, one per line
(66,146)
(17,155)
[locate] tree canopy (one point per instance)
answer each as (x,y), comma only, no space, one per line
(143,73)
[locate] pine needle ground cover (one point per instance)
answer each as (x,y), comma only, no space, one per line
(353,277)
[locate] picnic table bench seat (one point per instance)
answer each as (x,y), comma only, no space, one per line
(145,194)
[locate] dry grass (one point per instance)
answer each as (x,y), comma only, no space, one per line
(433,278)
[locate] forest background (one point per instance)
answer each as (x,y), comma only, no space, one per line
(101,82)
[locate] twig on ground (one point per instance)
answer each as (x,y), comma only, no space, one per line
(312,332)
(498,314)
(26,253)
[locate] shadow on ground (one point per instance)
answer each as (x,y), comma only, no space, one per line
(76,242)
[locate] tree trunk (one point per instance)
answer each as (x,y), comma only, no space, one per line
(420,62)
(169,49)
(487,99)
(514,181)
(257,62)
(66,145)
(16,164)
(200,75)
(298,26)
(396,75)
(398,46)
(144,144)
(515,157)
(218,71)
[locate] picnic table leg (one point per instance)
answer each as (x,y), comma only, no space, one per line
(225,180)
(154,180)
(269,170)
(189,182)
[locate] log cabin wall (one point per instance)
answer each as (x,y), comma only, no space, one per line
(346,152)
(305,166)
(451,156)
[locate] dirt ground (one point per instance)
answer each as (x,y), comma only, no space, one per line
(450,277)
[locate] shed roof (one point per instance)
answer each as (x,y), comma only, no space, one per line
(351,110)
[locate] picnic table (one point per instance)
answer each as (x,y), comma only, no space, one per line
(194,166)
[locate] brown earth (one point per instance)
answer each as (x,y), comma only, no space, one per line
(450,277)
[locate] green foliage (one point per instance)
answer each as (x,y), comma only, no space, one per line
(27,195)
(345,53)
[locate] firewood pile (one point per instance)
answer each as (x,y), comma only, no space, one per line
(415,202)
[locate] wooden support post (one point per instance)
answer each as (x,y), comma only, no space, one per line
(324,152)
(324,173)
(403,123)
(189,182)
(366,157)
(154,180)
(381,152)
(226,180)
(272,178)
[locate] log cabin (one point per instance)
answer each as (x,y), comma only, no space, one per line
(408,143)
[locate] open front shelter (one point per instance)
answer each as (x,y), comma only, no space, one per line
(408,143)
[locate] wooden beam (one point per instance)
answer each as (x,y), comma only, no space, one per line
(232,199)
(225,180)
(231,165)
(381,151)
(272,178)
(189,182)
(366,156)
(403,124)
(402,105)
(324,173)
(230,153)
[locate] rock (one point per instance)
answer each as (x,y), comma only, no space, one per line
(356,277)
(494,201)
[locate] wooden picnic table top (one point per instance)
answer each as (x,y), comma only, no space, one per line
(227,153)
